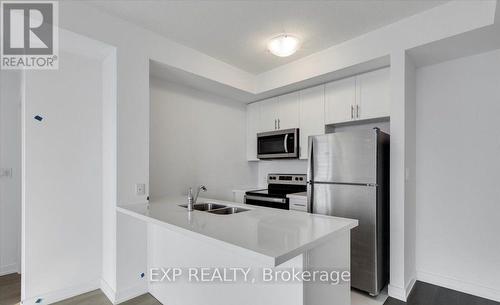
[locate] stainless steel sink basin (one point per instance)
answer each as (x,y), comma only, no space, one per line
(206,206)
(227,211)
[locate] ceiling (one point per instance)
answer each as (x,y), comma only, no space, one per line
(236,32)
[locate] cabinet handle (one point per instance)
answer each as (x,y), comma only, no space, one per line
(279,124)
(352,112)
(357,111)
(275,124)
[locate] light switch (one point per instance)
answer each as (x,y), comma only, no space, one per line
(140,189)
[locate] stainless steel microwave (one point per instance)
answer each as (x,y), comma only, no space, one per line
(278,144)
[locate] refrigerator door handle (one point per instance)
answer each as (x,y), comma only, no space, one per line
(310,172)
(310,160)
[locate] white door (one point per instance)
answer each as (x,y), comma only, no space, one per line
(340,99)
(288,111)
(253,123)
(312,116)
(268,114)
(373,94)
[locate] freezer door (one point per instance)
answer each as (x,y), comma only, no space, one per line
(356,202)
(344,157)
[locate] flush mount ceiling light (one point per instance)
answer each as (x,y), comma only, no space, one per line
(283,45)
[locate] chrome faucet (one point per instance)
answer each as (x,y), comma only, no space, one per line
(192,200)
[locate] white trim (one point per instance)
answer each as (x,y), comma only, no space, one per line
(409,287)
(459,285)
(63,294)
(9,269)
(400,293)
(396,292)
(108,291)
(130,293)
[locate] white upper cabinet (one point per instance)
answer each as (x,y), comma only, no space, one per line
(269,114)
(373,94)
(361,97)
(279,112)
(253,126)
(340,100)
(288,111)
(365,96)
(312,116)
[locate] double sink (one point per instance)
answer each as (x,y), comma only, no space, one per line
(215,208)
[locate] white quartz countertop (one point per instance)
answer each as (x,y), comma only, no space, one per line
(271,236)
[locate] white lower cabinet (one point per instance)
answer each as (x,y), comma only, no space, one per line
(312,116)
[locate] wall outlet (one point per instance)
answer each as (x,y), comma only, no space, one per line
(6,172)
(140,189)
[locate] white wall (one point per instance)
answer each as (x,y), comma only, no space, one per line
(109,175)
(196,138)
(410,174)
(10,157)
(63,180)
(135,46)
(458,193)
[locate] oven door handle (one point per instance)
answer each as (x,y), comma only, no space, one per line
(266,199)
(285,143)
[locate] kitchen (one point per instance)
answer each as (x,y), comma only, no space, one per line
(292,119)
(287,158)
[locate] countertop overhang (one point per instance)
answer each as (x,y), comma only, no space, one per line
(270,236)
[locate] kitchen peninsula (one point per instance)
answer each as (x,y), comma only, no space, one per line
(253,239)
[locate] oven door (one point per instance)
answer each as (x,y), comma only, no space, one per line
(269,202)
(278,144)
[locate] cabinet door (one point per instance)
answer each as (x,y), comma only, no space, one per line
(288,111)
(312,116)
(340,98)
(268,114)
(373,94)
(253,123)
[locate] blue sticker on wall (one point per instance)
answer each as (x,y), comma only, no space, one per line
(38,301)
(38,118)
(142,275)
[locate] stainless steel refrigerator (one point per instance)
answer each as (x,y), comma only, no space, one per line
(348,176)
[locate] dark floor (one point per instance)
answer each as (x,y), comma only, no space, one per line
(10,289)
(427,294)
(422,294)
(10,294)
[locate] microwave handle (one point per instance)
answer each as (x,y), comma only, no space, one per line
(285,143)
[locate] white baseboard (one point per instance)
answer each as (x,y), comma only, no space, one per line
(401,293)
(459,285)
(396,292)
(130,293)
(63,294)
(410,286)
(108,291)
(9,269)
